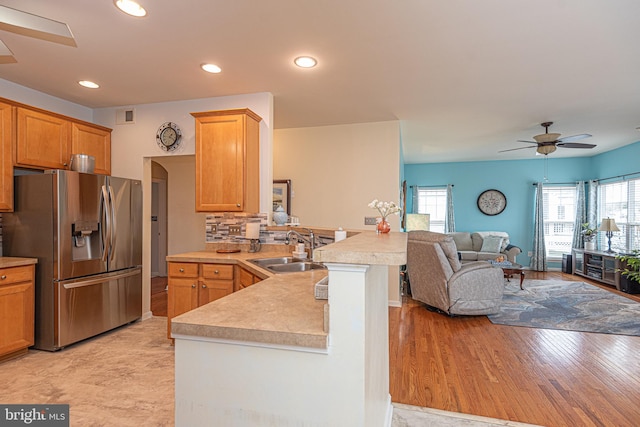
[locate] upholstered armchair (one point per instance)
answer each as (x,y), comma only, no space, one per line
(439,280)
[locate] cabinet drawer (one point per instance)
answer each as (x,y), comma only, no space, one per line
(217,271)
(16,275)
(183,269)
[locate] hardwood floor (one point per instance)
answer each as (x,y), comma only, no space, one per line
(159,296)
(538,376)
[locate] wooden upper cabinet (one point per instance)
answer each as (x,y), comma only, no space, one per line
(227,161)
(42,140)
(94,141)
(47,140)
(6,159)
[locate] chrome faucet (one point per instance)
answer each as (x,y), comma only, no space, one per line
(311,239)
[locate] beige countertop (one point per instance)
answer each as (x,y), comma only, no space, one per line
(367,247)
(281,310)
(6,261)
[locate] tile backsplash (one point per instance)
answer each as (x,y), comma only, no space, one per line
(219,228)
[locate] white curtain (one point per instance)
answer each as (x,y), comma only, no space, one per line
(539,258)
(450,222)
(581,216)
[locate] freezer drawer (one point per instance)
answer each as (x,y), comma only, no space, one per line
(90,306)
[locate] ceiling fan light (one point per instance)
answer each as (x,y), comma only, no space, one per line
(546,149)
(547,137)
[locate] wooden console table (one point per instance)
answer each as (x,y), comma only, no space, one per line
(597,265)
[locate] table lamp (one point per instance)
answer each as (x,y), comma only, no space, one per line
(253,234)
(609,226)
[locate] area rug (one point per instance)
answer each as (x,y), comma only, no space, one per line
(571,306)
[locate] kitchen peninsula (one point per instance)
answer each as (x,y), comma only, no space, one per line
(271,354)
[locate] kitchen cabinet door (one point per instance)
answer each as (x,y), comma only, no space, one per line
(42,140)
(245,279)
(94,141)
(216,282)
(183,297)
(211,290)
(227,161)
(6,159)
(16,310)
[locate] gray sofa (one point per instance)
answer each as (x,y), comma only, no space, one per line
(440,280)
(496,243)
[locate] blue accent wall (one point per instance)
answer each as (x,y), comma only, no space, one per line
(515,179)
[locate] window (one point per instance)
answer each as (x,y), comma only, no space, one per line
(559,213)
(621,201)
(432,201)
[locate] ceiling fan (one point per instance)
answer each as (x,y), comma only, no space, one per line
(27,24)
(546,143)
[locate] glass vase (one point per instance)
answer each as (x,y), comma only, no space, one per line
(383,226)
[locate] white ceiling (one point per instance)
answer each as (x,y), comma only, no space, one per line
(466,78)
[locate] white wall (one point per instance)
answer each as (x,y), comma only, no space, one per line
(34,98)
(186,228)
(336,171)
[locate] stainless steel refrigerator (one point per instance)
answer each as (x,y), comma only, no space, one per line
(86,232)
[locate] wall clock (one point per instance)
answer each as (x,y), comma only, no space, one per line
(169,136)
(492,202)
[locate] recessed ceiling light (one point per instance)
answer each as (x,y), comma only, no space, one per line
(211,68)
(130,7)
(305,62)
(89,84)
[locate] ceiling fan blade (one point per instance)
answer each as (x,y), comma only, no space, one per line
(574,145)
(26,24)
(531,142)
(514,149)
(574,137)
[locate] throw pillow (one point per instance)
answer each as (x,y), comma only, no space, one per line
(491,244)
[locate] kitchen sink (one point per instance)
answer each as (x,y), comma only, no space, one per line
(287,264)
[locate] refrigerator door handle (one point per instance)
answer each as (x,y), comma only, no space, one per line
(106,234)
(102,279)
(114,225)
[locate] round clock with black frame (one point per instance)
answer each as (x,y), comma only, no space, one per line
(492,202)
(169,136)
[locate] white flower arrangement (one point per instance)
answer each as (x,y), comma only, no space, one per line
(385,208)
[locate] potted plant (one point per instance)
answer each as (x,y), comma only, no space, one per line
(589,235)
(630,272)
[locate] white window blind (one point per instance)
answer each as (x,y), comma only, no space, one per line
(621,201)
(433,201)
(559,216)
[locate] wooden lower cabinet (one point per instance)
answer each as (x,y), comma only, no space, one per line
(244,278)
(194,284)
(16,310)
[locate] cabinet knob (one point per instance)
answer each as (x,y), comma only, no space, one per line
(216,272)
(182,270)
(238,205)
(204,286)
(193,286)
(3,277)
